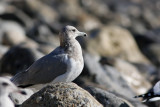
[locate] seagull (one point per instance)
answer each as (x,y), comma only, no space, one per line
(7,87)
(151,95)
(63,64)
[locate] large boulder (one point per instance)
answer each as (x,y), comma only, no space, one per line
(116,41)
(17,59)
(61,95)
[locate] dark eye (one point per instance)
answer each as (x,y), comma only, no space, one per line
(73,30)
(5,84)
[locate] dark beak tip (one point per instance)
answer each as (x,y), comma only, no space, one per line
(85,35)
(23,92)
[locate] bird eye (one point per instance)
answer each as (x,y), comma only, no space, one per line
(5,84)
(73,30)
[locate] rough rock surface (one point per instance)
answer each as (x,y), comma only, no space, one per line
(62,95)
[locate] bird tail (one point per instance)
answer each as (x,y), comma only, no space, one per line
(18,78)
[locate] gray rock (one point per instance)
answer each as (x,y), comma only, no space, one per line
(3,50)
(147,70)
(42,10)
(153,35)
(17,59)
(132,76)
(153,52)
(62,95)
(11,33)
(108,99)
(107,76)
(133,101)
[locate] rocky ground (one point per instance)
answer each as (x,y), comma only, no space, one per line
(121,54)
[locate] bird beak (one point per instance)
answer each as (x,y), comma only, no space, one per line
(21,92)
(82,34)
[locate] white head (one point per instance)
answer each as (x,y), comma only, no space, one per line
(6,87)
(70,32)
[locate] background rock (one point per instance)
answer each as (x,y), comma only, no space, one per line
(111,42)
(17,59)
(11,33)
(107,76)
(108,99)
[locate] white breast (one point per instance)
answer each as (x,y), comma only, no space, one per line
(6,102)
(73,71)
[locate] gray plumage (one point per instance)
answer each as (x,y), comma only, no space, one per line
(63,64)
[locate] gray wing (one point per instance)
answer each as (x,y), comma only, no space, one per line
(43,70)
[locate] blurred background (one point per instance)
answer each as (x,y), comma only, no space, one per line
(121,54)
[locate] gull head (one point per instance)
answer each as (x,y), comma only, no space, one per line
(71,32)
(6,87)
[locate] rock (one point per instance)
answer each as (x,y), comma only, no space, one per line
(62,94)
(3,50)
(153,35)
(151,18)
(153,52)
(68,11)
(17,59)
(18,98)
(29,43)
(131,100)
(46,48)
(148,71)
(42,34)
(129,73)
(42,10)
(146,39)
(89,23)
(106,76)
(133,77)
(101,11)
(11,33)
(108,99)
(111,42)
